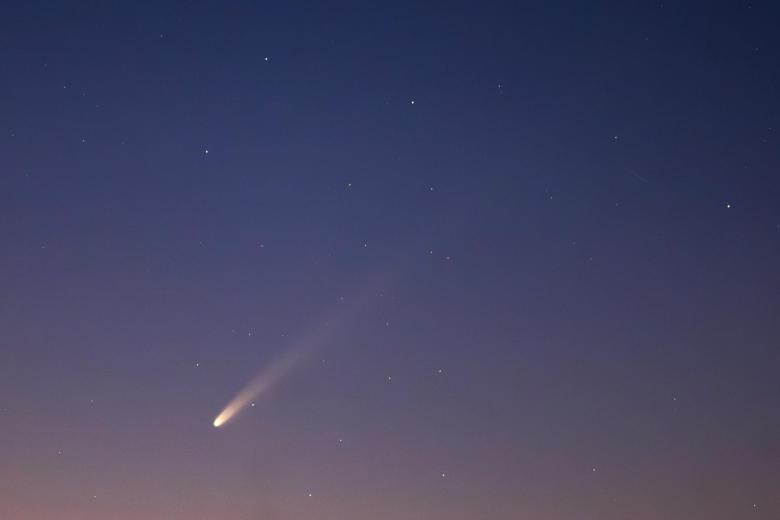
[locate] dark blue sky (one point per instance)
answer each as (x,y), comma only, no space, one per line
(528,250)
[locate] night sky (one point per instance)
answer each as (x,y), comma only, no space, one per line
(483,260)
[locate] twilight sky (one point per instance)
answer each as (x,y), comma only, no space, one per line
(473,261)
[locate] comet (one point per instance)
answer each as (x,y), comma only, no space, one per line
(319,335)
(260,384)
(288,362)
